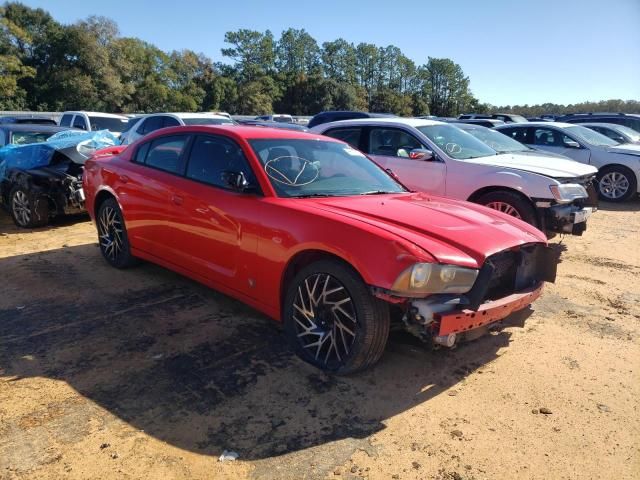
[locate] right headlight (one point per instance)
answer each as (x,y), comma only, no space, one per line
(568,192)
(426,278)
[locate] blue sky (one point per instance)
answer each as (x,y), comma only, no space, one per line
(515,52)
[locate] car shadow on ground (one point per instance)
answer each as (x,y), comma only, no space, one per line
(631,205)
(195,368)
(8,227)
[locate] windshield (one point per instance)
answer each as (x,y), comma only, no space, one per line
(207,121)
(456,143)
(108,123)
(496,140)
(591,136)
(308,168)
(24,138)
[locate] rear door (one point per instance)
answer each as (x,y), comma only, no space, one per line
(390,148)
(212,228)
(144,190)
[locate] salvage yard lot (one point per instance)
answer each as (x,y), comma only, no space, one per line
(146,374)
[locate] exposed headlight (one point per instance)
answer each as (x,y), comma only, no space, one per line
(567,192)
(425,278)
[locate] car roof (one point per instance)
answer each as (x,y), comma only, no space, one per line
(32,127)
(246,132)
(392,121)
(600,124)
(537,124)
(94,114)
(185,115)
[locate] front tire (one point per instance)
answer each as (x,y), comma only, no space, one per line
(616,183)
(512,204)
(332,320)
(28,210)
(112,235)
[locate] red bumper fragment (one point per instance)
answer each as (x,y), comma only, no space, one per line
(463,320)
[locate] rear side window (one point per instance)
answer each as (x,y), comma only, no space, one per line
(350,135)
(165,153)
(78,122)
(65,121)
(141,154)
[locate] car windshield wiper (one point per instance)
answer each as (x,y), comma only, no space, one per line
(376,192)
(312,195)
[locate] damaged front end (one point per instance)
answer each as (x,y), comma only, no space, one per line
(570,218)
(44,180)
(508,281)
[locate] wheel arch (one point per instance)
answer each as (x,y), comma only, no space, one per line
(306,257)
(101,196)
(497,188)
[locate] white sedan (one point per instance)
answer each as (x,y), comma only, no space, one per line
(550,193)
(618,164)
(155,121)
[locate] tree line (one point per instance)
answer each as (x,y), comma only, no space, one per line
(88,65)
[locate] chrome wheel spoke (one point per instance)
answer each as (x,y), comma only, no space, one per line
(21,208)
(614,185)
(110,233)
(504,208)
(324,318)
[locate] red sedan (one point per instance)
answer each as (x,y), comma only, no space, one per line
(311,232)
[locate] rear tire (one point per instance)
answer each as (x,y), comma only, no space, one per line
(28,210)
(616,183)
(112,235)
(512,204)
(332,320)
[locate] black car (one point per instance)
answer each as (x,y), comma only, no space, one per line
(22,133)
(631,120)
(30,120)
(485,122)
(469,116)
(334,116)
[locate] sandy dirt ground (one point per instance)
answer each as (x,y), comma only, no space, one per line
(145,374)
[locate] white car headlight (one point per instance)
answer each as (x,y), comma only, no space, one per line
(425,278)
(568,192)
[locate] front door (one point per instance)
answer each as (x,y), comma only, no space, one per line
(556,141)
(212,230)
(390,148)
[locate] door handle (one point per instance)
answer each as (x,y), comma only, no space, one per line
(124,178)
(177,199)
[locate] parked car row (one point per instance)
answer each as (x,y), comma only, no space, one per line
(354,226)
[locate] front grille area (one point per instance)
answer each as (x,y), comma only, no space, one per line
(511,271)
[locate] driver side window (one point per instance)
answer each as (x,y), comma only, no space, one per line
(392,142)
(211,157)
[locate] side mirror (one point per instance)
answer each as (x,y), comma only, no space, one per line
(236,180)
(571,144)
(421,154)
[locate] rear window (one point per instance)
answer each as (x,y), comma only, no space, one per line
(24,138)
(108,123)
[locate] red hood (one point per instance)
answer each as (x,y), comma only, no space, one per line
(452,231)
